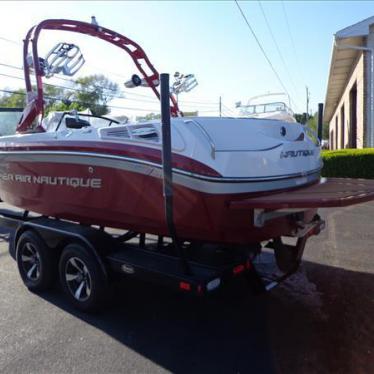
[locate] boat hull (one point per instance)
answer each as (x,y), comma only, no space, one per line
(128,195)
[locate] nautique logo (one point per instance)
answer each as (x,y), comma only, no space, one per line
(299,153)
(73,182)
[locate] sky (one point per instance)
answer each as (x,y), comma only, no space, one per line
(207,38)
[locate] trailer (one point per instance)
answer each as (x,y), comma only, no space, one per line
(87,260)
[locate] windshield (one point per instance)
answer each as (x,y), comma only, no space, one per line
(9,118)
(56,121)
(94,121)
(248,110)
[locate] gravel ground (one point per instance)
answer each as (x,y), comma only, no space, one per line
(319,321)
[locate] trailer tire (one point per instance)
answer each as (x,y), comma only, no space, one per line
(82,278)
(37,264)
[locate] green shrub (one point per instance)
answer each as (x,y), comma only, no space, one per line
(349,163)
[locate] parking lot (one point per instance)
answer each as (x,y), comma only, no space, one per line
(319,321)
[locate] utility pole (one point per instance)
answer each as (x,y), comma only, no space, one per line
(307,102)
(320,121)
(220,106)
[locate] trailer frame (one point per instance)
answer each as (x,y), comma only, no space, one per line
(149,258)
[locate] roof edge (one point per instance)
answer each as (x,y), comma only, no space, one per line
(357,29)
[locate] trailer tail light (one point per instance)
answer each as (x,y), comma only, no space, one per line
(185,286)
(238,269)
(213,284)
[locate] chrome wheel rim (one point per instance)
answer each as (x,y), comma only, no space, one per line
(78,279)
(30,260)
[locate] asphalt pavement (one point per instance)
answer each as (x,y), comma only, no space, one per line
(318,321)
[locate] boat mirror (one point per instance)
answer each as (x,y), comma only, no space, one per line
(76,123)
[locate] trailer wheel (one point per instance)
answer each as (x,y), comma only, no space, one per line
(81,277)
(37,264)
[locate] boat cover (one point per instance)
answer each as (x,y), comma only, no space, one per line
(329,192)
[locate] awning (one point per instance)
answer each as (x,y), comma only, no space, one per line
(342,62)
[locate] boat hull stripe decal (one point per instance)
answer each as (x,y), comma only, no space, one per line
(215,185)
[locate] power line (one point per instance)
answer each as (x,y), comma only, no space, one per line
(83,91)
(69,80)
(82,102)
(207,111)
(79,90)
(277,46)
(11,76)
(10,41)
(141,95)
(106,71)
(262,50)
(78,101)
(10,66)
(124,77)
(122,92)
(292,40)
(227,109)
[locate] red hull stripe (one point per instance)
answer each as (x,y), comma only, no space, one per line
(126,150)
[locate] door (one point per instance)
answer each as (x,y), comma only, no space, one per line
(353,117)
(342,129)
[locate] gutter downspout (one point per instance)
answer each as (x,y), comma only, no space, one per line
(370,143)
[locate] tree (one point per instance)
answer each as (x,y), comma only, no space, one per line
(151,116)
(93,92)
(313,124)
(300,117)
(148,117)
(13,100)
(52,97)
(191,114)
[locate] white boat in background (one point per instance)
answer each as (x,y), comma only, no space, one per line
(264,107)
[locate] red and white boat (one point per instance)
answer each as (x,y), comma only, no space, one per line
(236,181)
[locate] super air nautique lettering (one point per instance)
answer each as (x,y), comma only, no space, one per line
(299,153)
(22,178)
(73,182)
(6,177)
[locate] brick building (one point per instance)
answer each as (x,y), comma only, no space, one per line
(349,103)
